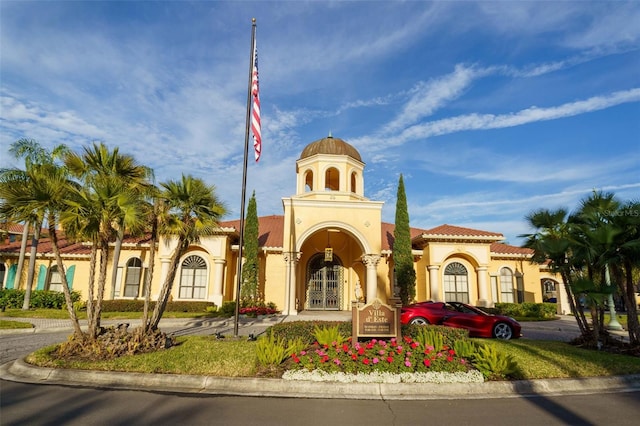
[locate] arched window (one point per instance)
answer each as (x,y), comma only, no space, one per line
(308,181)
(193,278)
(353,182)
(133,278)
(456,283)
(332,179)
(506,285)
(549,290)
(54,280)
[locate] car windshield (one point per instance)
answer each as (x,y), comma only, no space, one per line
(460,307)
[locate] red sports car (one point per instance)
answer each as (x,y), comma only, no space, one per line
(461,315)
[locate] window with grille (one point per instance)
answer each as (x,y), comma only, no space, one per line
(456,283)
(133,278)
(193,278)
(54,279)
(506,285)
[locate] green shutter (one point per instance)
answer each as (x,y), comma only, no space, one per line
(70,271)
(11,276)
(42,277)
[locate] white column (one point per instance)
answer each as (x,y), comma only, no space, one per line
(291,260)
(371,262)
(218,274)
(434,283)
(483,300)
(164,271)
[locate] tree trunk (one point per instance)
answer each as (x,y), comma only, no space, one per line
(116,259)
(23,251)
(163,298)
(94,327)
(149,278)
(32,266)
(577,312)
(91,284)
(65,284)
(629,296)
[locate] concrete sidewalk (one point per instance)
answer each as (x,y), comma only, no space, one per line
(181,326)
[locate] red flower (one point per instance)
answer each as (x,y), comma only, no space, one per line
(427,362)
(365,361)
(360,351)
(389,359)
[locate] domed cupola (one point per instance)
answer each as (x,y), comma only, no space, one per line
(330,168)
(330,146)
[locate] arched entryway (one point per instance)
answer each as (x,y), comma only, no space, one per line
(324,283)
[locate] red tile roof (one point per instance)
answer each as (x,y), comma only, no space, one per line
(45,247)
(271,229)
(506,249)
(459,231)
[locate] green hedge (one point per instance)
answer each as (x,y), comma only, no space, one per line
(136,305)
(304,330)
(526,310)
(43,299)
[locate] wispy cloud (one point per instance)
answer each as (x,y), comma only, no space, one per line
(526,116)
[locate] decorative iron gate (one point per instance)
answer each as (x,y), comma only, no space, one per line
(324,284)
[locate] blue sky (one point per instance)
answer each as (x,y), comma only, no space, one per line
(489,109)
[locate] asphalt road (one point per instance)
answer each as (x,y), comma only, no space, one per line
(24,404)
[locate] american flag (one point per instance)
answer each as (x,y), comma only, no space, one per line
(255,113)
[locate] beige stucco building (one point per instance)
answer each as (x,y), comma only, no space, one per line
(328,248)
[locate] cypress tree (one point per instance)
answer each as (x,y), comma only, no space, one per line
(402,256)
(250,270)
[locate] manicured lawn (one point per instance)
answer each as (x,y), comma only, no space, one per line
(8,325)
(204,355)
(541,359)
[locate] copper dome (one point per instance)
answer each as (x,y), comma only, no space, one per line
(332,146)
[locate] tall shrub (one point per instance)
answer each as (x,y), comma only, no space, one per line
(249,292)
(402,256)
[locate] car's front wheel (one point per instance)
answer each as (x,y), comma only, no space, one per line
(419,321)
(502,331)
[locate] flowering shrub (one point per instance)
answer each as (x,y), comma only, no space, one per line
(255,308)
(392,356)
(254,311)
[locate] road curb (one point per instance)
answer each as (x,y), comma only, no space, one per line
(20,371)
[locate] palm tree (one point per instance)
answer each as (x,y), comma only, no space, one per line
(99,162)
(594,236)
(111,200)
(34,156)
(47,193)
(193,211)
(552,244)
(625,260)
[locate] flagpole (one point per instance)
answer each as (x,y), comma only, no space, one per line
(244,180)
